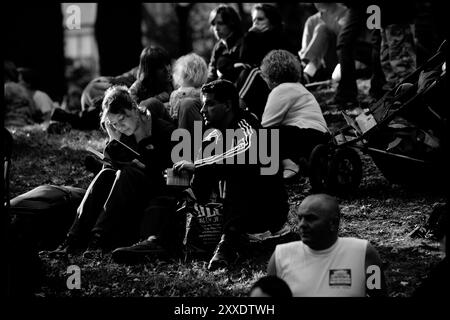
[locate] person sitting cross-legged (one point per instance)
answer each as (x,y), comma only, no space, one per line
(253,201)
(323,264)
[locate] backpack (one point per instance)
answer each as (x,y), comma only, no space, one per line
(44,215)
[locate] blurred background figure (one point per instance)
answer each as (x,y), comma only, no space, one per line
(318,53)
(266,34)
(42,102)
(19,107)
(226,25)
(270,286)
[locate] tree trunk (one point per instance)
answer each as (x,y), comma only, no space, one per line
(35,39)
(184,30)
(118,34)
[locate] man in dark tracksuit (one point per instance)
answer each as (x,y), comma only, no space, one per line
(252,201)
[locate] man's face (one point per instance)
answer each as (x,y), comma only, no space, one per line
(316,226)
(213,111)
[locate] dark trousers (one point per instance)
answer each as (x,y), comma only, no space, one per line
(296,143)
(346,41)
(112,207)
(378,78)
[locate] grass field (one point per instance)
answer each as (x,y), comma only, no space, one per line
(380,212)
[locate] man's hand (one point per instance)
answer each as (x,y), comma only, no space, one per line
(184,165)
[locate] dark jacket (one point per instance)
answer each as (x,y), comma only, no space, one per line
(256,45)
(252,202)
(155,152)
(223,58)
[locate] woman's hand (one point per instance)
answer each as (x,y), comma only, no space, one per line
(259,27)
(184,165)
(112,132)
(139,164)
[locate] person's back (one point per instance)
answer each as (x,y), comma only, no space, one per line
(338,271)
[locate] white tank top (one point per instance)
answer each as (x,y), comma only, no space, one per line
(338,271)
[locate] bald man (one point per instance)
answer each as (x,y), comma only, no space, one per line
(324,264)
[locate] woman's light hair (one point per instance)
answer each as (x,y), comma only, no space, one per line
(280,66)
(190,70)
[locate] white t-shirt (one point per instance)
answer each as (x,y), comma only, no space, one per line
(291,104)
(338,271)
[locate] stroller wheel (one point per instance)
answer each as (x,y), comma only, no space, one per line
(345,170)
(319,168)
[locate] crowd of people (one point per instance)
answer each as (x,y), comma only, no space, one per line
(254,81)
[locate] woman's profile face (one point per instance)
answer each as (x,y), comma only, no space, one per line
(126,123)
(260,21)
(221,30)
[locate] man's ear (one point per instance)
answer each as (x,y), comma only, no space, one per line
(334,224)
(229,106)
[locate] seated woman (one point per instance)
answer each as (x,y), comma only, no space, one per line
(153,86)
(318,51)
(266,34)
(226,25)
(189,74)
(111,210)
(292,109)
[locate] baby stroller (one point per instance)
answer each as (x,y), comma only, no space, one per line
(402,132)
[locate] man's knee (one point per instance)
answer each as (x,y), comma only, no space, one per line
(323,30)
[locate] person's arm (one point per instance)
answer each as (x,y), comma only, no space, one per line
(274,111)
(375,280)
(212,68)
(271,266)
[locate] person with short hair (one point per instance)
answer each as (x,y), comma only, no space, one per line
(110,212)
(323,264)
(270,286)
(292,109)
(190,72)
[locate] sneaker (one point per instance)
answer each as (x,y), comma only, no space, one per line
(69,246)
(94,249)
(139,252)
(290,169)
(224,255)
